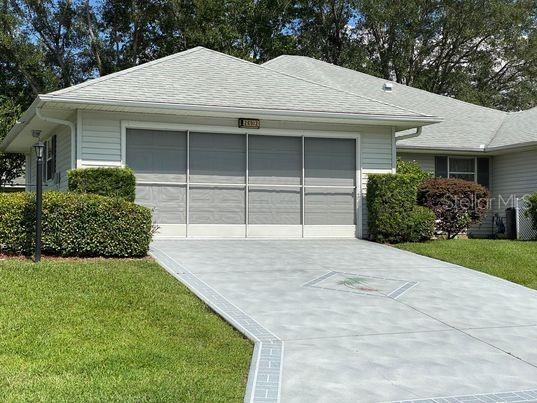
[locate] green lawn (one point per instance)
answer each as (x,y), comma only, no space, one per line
(112,330)
(512,260)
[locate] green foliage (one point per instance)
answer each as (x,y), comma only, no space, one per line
(391,203)
(111,182)
(412,168)
(421,224)
(75,225)
(531,211)
(485,53)
(11,165)
(456,203)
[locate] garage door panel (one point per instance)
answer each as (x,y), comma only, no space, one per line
(280,206)
(330,162)
(329,206)
(275,160)
(217,158)
(168,203)
(157,155)
(217,205)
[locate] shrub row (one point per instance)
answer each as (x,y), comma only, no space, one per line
(75,225)
(393,214)
(113,182)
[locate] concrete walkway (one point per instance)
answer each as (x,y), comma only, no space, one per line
(353,321)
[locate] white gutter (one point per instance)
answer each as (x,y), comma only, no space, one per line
(409,135)
(67,123)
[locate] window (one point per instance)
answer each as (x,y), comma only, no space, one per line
(462,168)
(468,168)
(50,158)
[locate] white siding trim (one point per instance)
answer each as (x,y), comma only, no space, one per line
(359,190)
(78,142)
(394,152)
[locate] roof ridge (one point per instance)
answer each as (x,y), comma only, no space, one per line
(124,72)
(334,88)
(497,131)
(395,82)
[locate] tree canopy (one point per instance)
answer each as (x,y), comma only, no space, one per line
(481,51)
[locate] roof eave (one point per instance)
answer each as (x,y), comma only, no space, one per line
(26,117)
(394,120)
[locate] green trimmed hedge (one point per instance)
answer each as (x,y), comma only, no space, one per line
(75,225)
(112,182)
(420,224)
(393,214)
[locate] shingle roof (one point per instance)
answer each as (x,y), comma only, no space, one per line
(517,128)
(202,77)
(465,126)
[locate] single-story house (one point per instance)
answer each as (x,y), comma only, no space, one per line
(223,147)
(494,148)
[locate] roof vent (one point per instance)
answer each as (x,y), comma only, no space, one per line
(388,87)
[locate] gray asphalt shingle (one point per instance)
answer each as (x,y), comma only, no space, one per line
(465,126)
(204,77)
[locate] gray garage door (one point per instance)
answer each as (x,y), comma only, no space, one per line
(213,184)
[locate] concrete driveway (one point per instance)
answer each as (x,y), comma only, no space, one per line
(353,321)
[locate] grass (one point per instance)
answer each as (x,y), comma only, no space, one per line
(515,261)
(112,330)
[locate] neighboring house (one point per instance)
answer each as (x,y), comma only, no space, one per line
(494,148)
(224,147)
(221,146)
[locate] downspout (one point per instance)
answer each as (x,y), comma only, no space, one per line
(409,135)
(67,123)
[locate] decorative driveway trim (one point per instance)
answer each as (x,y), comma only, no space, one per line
(393,294)
(352,330)
(265,375)
(514,397)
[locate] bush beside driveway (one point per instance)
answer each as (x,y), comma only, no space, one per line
(112,330)
(515,261)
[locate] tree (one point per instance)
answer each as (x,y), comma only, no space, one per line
(11,165)
(481,51)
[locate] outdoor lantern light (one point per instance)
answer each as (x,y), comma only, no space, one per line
(39,148)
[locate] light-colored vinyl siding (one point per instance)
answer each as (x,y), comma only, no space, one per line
(101,138)
(377,157)
(377,151)
(63,162)
(425,161)
(514,175)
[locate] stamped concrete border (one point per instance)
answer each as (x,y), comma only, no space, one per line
(265,375)
(513,397)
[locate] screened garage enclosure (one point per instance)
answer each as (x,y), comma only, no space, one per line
(245,185)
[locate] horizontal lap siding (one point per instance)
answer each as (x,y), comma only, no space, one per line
(376,155)
(425,161)
(63,162)
(101,138)
(514,175)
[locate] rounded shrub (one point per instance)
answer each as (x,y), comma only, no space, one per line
(412,168)
(75,225)
(112,182)
(391,204)
(456,203)
(421,224)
